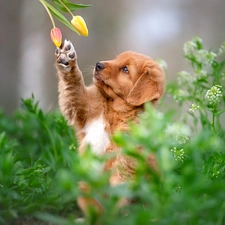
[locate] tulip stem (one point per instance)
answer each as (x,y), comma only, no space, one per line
(66,8)
(49,13)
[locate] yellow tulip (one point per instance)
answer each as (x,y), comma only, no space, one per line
(56,36)
(80,25)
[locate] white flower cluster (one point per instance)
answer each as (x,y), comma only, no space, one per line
(178,154)
(178,129)
(194,107)
(193,49)
(162,64)
(200,74)
(190,47)
(181,132)
(206,58)
(214,94)
(221,49)
(179,95)
(183,77)
(182,139)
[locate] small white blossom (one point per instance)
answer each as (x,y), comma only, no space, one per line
(162,64)
(194,107)
(158,115)
(221,49)
(190,47)
(179,95)
(200,74)
(215,174)
(183,77)
(206,58)
(182,139)
(180,132)
(214,94)
(178,154)
(178,129)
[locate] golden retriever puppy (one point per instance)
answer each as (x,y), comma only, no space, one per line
(120,88)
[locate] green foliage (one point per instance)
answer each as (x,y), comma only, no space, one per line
(59,16)
(40,168)
(201,89)
(69,5)
(63,6)
(33,146)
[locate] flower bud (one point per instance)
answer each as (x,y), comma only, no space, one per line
(56,36)
(80,25)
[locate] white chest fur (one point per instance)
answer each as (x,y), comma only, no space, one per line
(96,136)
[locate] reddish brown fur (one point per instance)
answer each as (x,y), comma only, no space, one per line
(118,95)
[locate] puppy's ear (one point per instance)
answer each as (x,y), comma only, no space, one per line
(149,87)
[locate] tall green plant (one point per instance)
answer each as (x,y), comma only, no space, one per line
(202,90)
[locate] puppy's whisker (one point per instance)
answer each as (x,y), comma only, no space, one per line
(114,51)
(89,68)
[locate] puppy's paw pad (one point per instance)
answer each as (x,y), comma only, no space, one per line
(71,55)
(66,55)
(68,46)
(57,51)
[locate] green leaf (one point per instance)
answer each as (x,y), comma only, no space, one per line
(219,112)
(69,5)
(53,219)
(60,17)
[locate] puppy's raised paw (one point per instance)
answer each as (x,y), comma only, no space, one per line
(66,56)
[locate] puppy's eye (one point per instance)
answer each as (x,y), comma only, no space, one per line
(124,69)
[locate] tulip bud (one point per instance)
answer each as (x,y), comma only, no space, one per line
(80,25)
(56,36)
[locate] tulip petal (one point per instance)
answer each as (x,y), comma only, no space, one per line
(80,25)
(56,36)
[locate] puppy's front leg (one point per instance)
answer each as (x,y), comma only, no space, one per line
(73,95)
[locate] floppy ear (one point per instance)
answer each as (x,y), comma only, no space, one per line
(149,87)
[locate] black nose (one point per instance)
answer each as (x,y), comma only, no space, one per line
(99,66)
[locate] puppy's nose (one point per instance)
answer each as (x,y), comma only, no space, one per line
(99,66)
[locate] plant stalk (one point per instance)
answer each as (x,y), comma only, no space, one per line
(61,2)
(49,13)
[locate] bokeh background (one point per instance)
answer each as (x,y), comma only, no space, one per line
(156,28)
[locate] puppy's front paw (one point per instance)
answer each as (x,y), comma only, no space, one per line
(66,56)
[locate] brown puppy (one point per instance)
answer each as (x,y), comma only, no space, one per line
(120,89)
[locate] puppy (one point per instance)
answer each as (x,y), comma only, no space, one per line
(120,88)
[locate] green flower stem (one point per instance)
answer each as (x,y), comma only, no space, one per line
(49,13)
(66,8)
(213,121)
(214,117)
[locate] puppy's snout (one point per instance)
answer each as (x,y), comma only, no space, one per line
(99,66)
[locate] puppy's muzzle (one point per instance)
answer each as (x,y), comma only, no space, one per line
(99,66)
